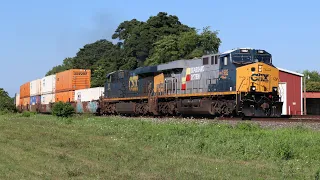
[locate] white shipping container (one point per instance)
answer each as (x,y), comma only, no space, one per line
(17,100)
(35,87)
(48,84)
(48,98)
(87,95)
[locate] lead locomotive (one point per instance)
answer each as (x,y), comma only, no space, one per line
(239,82)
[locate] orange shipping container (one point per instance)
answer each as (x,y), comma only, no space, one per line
(65,96)
(73,79)
(25,101)
(21,102)
(25,90)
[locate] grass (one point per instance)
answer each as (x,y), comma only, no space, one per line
(44,147)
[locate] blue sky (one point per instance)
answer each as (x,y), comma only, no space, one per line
(37,35)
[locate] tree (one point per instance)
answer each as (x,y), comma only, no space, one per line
(312,80)
(100,57)
(160,39)
(6,102)
(139,37)
(209,41)
(187,45)
(313,86)
(125,29)
(91,53)
(166,50)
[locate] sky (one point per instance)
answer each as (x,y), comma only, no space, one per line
(37,35)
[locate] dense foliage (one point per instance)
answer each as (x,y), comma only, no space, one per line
(312,80)
(62,109)
(162,38)
(6,102)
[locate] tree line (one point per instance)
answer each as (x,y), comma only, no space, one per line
(312,80)
(6,102)
(160,39)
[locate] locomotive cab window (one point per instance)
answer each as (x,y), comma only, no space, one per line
(109,79)
(225,60)
(121,75)
(216,59)
(205,60)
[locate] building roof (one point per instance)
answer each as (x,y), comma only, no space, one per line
(312,94)
(290,72)
(232,50)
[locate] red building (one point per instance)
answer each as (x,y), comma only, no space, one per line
(290,88)
(313,103)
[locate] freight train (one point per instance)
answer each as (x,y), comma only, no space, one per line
(239,82)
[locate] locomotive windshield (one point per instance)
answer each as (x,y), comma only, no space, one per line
(263,58)
(246,56)
(242,58)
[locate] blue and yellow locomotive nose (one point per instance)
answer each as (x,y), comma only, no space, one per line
(257,77)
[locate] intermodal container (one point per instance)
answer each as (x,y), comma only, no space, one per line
(48,85)
(73,79)
(25,101)
(35,87)
(17,99)
(87,95)
(21,102)
(67,96)
(34,100)
(48,98)
(25,90)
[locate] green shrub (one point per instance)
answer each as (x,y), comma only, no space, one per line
(62,109)
(5,111)
(27,113)
(6,103)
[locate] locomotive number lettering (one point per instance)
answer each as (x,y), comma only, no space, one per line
(197,69)
(260,77)
(195,77)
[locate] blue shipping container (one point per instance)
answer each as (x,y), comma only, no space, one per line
(35,100)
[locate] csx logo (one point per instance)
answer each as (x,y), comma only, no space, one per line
(260,77)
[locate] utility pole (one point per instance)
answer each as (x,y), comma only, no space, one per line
(304,95)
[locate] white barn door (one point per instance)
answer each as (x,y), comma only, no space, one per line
(283,96)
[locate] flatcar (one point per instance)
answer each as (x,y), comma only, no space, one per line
(239,82)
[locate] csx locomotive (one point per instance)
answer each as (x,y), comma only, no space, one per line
(239,82)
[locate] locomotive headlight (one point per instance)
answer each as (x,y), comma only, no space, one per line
(244,50)
(253,88)
(260,51)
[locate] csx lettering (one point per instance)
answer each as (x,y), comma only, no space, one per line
(259,77)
